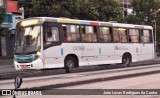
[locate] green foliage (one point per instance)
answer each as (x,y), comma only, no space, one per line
(2,32)
(146,12)
(132,19)
(2,16)
(110,10)
(79,9)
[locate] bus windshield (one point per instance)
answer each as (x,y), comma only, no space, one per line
(27,39)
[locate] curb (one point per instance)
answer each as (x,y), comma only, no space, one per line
(93,80)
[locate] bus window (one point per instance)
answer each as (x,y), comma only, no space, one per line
(145,36)
(134,35)
(150,36)
(122,34)
(104,34)
(116,35)
(90,34)
(51,34)
(71,33)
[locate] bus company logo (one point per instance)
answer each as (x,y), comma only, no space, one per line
(78,48)
(121,48)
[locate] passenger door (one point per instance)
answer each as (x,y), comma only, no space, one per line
(147,44)
(51,43)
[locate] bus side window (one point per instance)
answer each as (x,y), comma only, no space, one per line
(44,36)
(122,34)
(94,36)
(51,35)
(64,32)
(90,34)
(71,33)
(116,35)
(145,37)
(150,36)
(105,34)
(134,35)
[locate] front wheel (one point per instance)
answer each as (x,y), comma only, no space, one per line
(126,59)
(69,63)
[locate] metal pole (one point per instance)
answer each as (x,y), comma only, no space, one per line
(23,13)
(22,10)
(155,28)
(155,33)
(123,8)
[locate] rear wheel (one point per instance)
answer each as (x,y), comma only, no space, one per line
(126,59)
(69,63)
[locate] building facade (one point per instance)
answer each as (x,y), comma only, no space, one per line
(126,7)
(8,26)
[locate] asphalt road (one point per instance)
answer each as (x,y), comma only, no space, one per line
(145,83)
(139,82)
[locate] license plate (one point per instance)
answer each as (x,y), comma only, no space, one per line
(24,66)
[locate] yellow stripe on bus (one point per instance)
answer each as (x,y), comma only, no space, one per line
(69,21)
(121,29)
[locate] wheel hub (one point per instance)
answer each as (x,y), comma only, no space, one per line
(126,60)
(70,64)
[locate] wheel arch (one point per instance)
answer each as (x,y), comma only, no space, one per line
(74,56)
(128,54)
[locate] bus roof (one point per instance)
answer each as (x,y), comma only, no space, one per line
(89,22)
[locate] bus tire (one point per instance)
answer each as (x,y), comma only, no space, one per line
(69,63)
(126,60)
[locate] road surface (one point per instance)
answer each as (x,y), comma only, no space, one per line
(139,82)
(145,81)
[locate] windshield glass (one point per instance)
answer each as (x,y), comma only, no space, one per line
(27,39)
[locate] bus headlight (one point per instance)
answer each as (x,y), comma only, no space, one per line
(38,54)
(46,61)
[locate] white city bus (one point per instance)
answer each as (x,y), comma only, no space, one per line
(46,42)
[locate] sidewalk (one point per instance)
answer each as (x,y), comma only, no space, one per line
(6,61)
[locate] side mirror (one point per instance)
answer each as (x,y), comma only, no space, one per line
(17,81)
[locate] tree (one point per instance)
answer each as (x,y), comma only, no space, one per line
(110,10)
(80,9)
(2,16)
(145,12)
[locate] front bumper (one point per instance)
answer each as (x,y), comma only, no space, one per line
(37,64)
